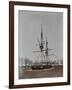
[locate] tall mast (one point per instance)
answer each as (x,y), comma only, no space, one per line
(43,49)
(46,50)
(41,46)
(41,34)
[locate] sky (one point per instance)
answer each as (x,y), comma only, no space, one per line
(29,29)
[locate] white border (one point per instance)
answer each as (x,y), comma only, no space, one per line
(41,80)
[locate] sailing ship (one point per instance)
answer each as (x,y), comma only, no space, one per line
(44,53)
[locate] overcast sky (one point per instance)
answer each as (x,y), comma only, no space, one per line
(29,29)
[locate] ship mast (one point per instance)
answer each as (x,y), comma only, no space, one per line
(43,50)
(46,51)
(42,45)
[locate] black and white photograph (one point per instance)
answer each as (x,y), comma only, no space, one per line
(40,44)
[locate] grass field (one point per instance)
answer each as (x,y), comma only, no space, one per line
(54,71)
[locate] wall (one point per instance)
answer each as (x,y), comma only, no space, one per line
(4,45)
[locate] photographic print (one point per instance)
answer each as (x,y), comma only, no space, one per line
(39,44)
